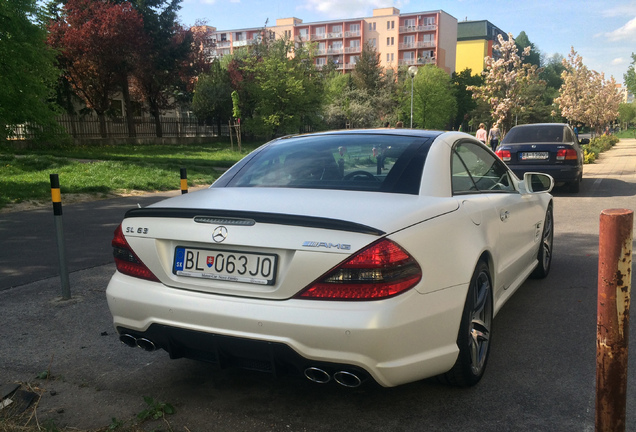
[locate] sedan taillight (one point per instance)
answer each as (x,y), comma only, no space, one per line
(126,261)
(567,154)
(381,270)
(504,155)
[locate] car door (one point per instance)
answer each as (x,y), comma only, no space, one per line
(484,183)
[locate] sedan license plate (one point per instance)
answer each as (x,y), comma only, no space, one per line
(225,265)
(535,155)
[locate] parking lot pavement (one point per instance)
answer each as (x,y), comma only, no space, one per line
(29,242)
(93,378)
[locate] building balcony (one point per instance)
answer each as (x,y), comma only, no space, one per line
(349,66)
(334,35)
(302,38)
(415,45)
(417,62)
(417,29)
(352,34)
(335,51)
(318,36)
(224,44)
(352,50)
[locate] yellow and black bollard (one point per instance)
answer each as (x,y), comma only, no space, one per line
(184,181)
(56,197)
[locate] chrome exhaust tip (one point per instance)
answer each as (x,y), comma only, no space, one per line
(317,375)
(128,340)
(347,379)
(146,345)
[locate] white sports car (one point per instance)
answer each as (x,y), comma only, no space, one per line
(348,255)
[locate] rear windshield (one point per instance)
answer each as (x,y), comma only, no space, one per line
(383,163)
(535,134)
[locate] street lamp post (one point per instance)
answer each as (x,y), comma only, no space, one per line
(412,72)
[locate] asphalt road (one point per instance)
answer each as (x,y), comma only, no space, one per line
(540,377)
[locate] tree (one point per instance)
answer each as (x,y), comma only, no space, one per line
(630,76)
(434,104)
(161,81)
(99,45)
(509,84)
(367,73)
(285,89)
(533,56)
(626,113)
(464,97)
(27,71)
(585,96)
(212,95)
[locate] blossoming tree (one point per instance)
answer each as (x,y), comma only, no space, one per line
(508,83)
(586,96)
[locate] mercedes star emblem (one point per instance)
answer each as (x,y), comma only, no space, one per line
(219,234)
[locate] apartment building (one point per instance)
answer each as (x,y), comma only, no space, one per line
(417,38)
(475,40)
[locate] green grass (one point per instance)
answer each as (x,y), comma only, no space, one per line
(24,174)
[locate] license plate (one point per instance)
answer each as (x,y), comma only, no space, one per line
(225,265)
(534,155)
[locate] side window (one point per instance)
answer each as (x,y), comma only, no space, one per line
(568,138)
(475,169)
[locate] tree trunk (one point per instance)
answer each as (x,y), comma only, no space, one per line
(102,125)
(130,121)
(154,110)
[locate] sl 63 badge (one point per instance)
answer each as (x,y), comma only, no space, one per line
(133,230)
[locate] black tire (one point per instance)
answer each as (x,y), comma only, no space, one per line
(475,328)
(544,256)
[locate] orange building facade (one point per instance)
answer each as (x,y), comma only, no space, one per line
(418,38)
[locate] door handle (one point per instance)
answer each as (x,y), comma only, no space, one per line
(504,215)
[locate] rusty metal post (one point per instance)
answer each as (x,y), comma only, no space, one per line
(614,289)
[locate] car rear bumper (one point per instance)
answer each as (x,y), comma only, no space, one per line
(394,341)
(560,173)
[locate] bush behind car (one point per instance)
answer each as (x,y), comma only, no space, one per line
(598,145)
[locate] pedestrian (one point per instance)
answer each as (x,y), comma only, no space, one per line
(481,134)
(576,131)
(387,124)
(494,135)
(399,124)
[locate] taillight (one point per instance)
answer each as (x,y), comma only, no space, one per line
(381,270)
(504,155)
(126,261)
(567,154)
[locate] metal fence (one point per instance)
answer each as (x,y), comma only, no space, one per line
(117,127)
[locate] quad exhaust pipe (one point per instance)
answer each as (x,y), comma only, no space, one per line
(133,342)
(344,378)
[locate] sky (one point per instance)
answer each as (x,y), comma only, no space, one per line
(602,32)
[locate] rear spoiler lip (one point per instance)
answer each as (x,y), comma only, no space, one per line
(261,217)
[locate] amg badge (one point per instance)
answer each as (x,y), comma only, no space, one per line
(314,244)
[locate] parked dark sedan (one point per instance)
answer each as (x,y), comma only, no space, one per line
(550,148)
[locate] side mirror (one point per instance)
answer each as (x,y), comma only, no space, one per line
(584,141)
(537,182)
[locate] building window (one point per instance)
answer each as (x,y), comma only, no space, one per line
(409,23)
(390,58)
(354,28)
(372,42)
(392,24)
(430,21)
(371,26)
(409,41)
(321,61)
(320,31)
(336,29)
